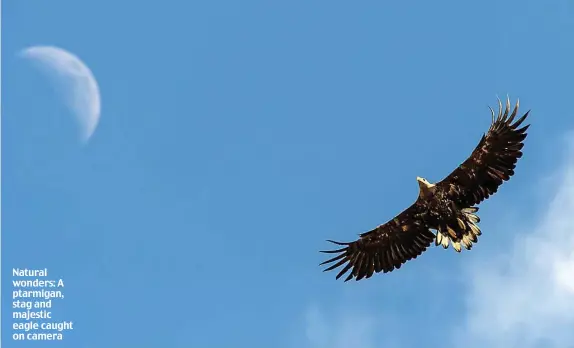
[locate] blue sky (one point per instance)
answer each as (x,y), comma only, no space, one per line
(235,137)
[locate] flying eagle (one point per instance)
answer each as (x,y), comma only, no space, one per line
(448,206)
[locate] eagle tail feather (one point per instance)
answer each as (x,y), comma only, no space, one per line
(464,234)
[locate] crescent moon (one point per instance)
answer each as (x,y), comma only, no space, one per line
(76,81)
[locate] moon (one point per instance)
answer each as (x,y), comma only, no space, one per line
(76,83)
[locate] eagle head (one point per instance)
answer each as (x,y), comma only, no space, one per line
(423,182)
(425,187)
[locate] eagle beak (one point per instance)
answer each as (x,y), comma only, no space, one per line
(419,179)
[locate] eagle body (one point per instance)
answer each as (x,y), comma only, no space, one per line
(447,207)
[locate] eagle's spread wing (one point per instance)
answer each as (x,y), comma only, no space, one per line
(384,248)
(491,163)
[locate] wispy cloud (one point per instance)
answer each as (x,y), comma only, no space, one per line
(526,297)
(338,330)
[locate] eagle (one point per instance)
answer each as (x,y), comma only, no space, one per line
(447,207)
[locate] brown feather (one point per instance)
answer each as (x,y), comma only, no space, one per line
(491,163)
(384,248)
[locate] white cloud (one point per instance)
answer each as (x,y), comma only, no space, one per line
(526,297)
(352,329)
